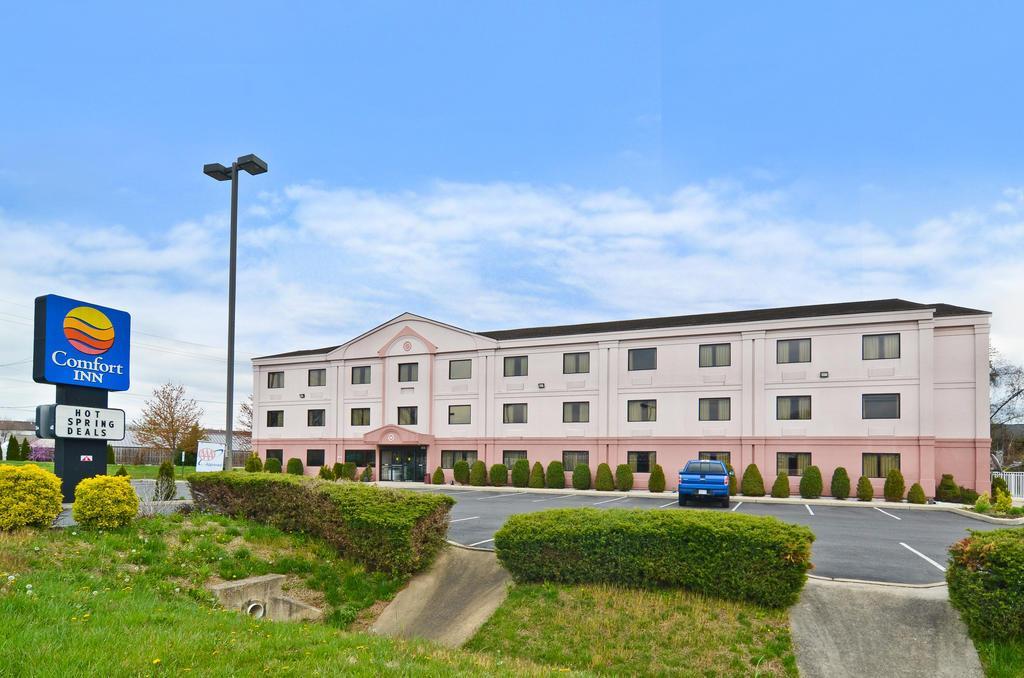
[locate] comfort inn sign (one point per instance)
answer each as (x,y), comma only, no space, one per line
(81,344)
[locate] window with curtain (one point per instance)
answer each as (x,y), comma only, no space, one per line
(314,457)
(460,369)
(360,457)
(643,359)
(275,454)
(572,457)
(361,375)
(450,457)
(880,346)
(714,409)
(407,416)
(315,417)
(575,363)
(724,457)
(640,462)
(881,405)
(516,366)
(793,350)
(458,414)
(876,465)
(275,379)
(275,418)
(408,372)
(642,410)
(360,416)
(509,457)
(317,377)
(793,463)
(715,355)
(574,413)
(514,413)
(793,407)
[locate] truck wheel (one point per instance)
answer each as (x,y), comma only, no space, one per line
(682,500)
(725,503)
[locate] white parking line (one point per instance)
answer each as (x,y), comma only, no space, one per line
(552,498)
(610,500)
(459,520)
(671,503)
(918,553)
(808,507)
(499,496)
(736,507)
(888,514)
(481,542)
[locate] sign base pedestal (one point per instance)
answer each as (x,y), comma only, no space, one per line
(75,459)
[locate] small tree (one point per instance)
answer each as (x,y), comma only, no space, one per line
(111,459)
(753,483)
(623,478)
(581,477)
(338,469)
(604,481)
(348,471)
(520,473)
(499,475)
(1003,502)
(168,419)
(656,483)
(272,465)
(326,473)
(780,489)
(367,475)
(478,473)
(983,504)
(865,491)
(461,472)
(14,450)
(895,488)
(916,494)
(556,475)
(438,477)
(840,484)
(253,463)
(998,485)
(732,480)
(947,489)
(164,490)
(295,466)
(536,476)
(122,471)
(810,483)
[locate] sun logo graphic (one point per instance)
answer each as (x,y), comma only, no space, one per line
(88,330)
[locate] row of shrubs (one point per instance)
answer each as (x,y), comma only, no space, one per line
(811,486)
(339,471)
(31,496)
(522,475)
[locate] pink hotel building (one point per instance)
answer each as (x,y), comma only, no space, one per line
(869,385)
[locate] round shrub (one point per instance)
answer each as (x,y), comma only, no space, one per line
(811,483)
(165,490)
(947,490)
(536,476)
(438,477)
(325,473)
(985,576)
(295,466)
(840,484)
(499,475)
(105,502)
(253,463)
(367,475)
(520,473)
(461,472)
(966,495)
(478,473)
(895,488)
(348,471)
(732,480)
(753,483)
(122,471)
(555,477)
(999,483)
(916,494)
(865,491)
(1003,503)
(623,478)
(272,465)
(604,481)
(338,469)
(29,495)
(780,490)
(983,505)
(656,483)
(581,477)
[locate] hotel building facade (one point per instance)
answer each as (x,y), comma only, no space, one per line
(867,385)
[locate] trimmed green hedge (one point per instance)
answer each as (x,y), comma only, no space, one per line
(294,466)
(752,484)
(536,475)
(387,530)
(556,475)
(273,465)
(499,475)
(865,491)
(623,478)
(520,473)
(656,483)
(729,555)
(810,483)
(253,463)
(986,583)
(916,494)
(840,484)
(581,477)
(604,481)
(780,490)
(894,488)
(461,472)
(478,473)
(438,477)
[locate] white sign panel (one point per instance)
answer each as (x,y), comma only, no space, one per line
(76,421)
(209,457)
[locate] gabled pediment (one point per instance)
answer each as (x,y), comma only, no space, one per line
(396,435)
(410,334)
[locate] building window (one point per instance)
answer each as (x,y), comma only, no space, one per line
(714,409)
(576,413)
(715,355)
(361,375)
(450,457)
(723,457)
(275,454)
(572,457)
(880,405)
(514,413)
(275,418)
(876,465)
(458,414)
(509,457)
(642,410)
(880,346)
(408,372)
(314,457)
(318,377)
(793,407)
(360,457)
(516,366)
(640,462)
(575,363)
(360,416)
(793,351)
(460,369)
(315,417)
(275,379)
(643,359)
(407,416)
(793,463)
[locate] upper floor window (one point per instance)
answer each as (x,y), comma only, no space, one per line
(574,413)
(640,462)
(360,416)
(880,346)
(793,407)
(460,369)
(275,379)
(878,465)
(643,359)
(509,457)
(315,417)
(361,375)
(570,458)
(575,363)
(880,405)
(275,418)
(642,410)
(318,377)
(715,355)
(793,351)
(408,372)
(407,416)
(516,366)
(450,457)
(714,409)
(458,414)
(514,413)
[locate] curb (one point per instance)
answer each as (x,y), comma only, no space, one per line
(868,582)
(468,548)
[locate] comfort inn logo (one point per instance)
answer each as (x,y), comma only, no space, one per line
(81,344)
(88,330)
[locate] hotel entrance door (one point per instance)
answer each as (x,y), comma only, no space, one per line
(403,462)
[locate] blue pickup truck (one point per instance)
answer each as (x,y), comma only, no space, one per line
(704,479)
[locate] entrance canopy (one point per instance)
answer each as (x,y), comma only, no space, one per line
(396,435)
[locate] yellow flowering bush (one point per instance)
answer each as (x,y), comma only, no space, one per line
(29,495)
(105,502)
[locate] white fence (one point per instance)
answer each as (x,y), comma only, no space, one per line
(1015,481)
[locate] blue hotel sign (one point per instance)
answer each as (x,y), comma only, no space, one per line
(81,344)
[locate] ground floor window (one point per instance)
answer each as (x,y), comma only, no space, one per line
(509,457)
(572,457)
(724,457)
(875,465)
(360,457)
(449,457)
(276,454)
(793,463)
(640,462)
(314,457)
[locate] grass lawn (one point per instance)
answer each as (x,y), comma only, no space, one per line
(1001,659)
(135,471)
(611,630)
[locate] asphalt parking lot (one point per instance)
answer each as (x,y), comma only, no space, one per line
(891,545)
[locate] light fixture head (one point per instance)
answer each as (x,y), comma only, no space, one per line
(217,171)
(252,164)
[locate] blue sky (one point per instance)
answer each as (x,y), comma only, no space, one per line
(502,164)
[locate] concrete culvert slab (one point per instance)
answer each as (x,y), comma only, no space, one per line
(261,597)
